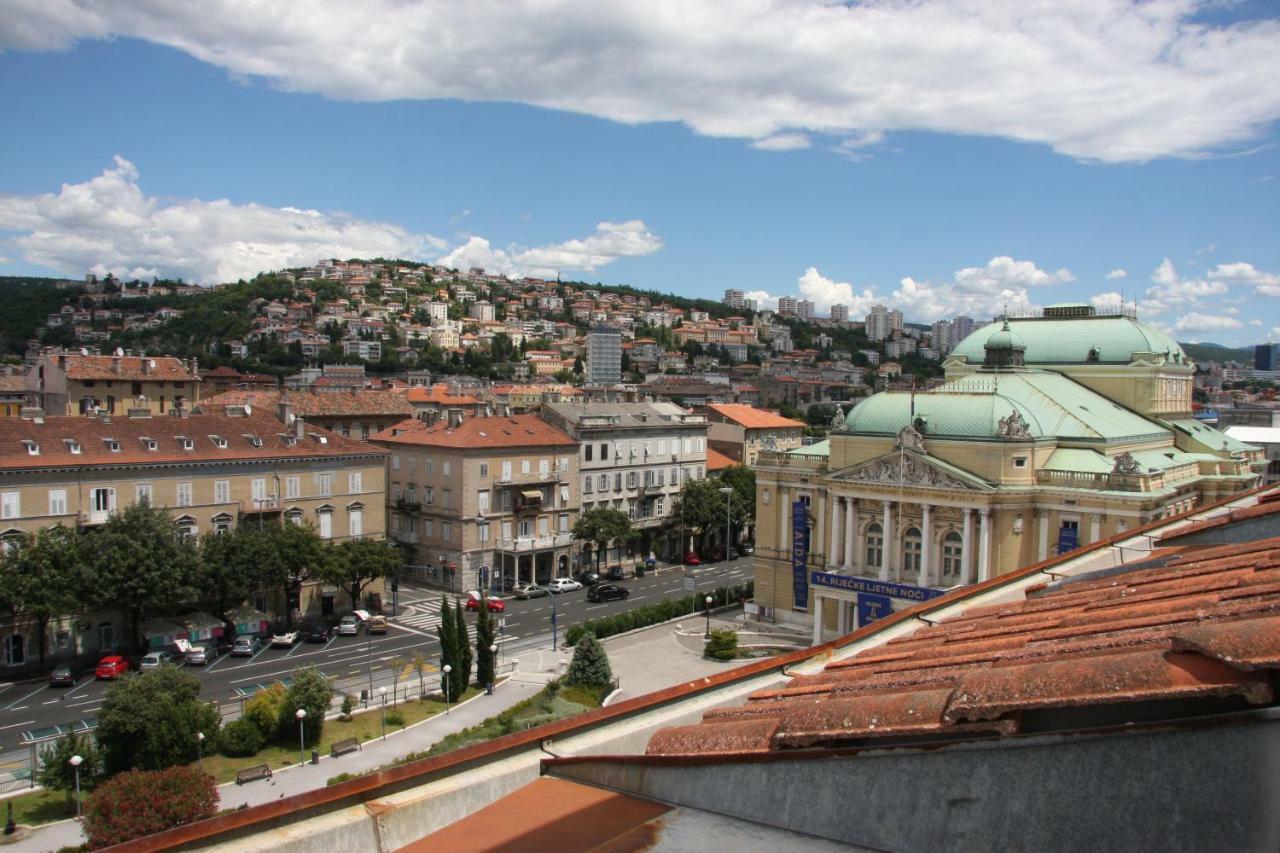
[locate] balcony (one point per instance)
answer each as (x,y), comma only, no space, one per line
(534,543)
(94,517)
(409,537)
(257,506)
(533,477)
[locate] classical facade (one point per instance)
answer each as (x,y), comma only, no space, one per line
(1050,433)
(475,497)
(633,458)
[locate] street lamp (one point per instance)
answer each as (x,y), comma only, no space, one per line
(301,714)
(383,692)
(446,669)
(493,654)
(727,491)
(200,750)
(707,636)
(368,646)
(76,761)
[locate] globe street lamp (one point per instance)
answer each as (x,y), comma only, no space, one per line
(707,636)
(76,761)
(446,669)
(301,714)
(383,692)
(200,750)
(493,659)
(727,491)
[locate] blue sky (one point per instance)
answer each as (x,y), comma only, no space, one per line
(943,157)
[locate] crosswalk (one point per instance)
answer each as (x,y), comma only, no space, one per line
(424,615)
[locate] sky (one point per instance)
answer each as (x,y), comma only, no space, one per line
(937,156)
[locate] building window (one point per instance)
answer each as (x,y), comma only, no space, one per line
(221,524)
(506,469)
(325,516)
(103,500)
(355,523)
(543,526)
(604,453)
(187,528)
(482,531)
(446,468)
(395,461)
(875,546)
(222,491)
(564,522)
(564,496)
(447,497)
(524,466)
(9,505)
(911,553)
(364,431)
(355,483)
(15,650)
(526,529)
(631,479)
(428,495)
(617,482)
(293,487)
(57,502)
(951,548)
(544,467)
(602,482)
(482,501)
(484,470)
(586,485)
(184,494)
(428,528)
(586,450)
(324,484)
(1019,462)
(258,489)
(142,493)
(446,531)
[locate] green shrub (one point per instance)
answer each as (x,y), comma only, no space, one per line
(588,697)
(263,709)
(590,665)
(56,772)
(395,718)
(310,691)
(348,705)
(723,645)
(341,777)
(652,614)
(240,739)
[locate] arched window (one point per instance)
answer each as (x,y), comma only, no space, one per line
(875,546)
(222,523)
(325,517)
(293,515)
(910,553)
(951,549)
(187,527)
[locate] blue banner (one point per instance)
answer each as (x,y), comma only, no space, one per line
(873,607)
(874,587)
(800,553)
(1068,539)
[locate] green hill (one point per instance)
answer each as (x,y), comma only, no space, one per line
(1217,352)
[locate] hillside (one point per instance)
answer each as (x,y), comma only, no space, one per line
(28,301)
(1217,352)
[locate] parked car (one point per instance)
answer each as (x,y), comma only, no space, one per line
(111,666)
(691,558)
(495,604)
(155,660)
(202,653)
(246,645)
(531,591)
(376,625)
(563,585)
(285,639)
(349,625)
(615,573)
(319,633)
(588,577)
(607,592)
(64,676)
(747,549)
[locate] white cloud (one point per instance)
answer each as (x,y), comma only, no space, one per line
(1005,272)
(1206,323)
(1266,283)
(1116,273)
(611,240)
(824,292)
(108,224)
(782,142)
(1103,80)
(1171,290)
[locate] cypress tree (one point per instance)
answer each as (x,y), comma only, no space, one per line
(485,669)
(448,634)
(462,669)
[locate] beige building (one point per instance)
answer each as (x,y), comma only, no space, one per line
(356,413)
(63,383)
(741,432)
(212,471)
(471,496)
(1050,433)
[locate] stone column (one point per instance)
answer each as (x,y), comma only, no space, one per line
(818,533)
(784,522)
(926,544)
(984,545)
(817,619)
(842,617)
(886,552)
(966,548)
(1043,550)
(850,534)
(837,522)
(1095,528)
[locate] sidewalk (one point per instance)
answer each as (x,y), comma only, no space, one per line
(644,661)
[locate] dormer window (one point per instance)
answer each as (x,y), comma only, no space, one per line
(290,441)
(73,446)
(33,447)
(322,439)
(219,442)
(150,443)
(185,443)
(112,444)
(254,440)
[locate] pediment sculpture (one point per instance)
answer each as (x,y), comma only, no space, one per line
(1013,426)
(837,420)
(906,471)
(909,438)
(1126,464)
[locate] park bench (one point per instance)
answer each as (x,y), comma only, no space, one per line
(342,747)
(249,774)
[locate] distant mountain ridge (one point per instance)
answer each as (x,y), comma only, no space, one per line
(1217,352)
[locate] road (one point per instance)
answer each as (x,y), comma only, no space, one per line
(351,661)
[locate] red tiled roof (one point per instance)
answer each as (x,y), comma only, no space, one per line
(514,431)
(307,405)
(1206,624)
(130,434)
(1264,508)
(96,367)
(717,461)
(439,393)
(752,418)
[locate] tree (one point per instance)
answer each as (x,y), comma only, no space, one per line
(742,502)
(356,563)
(141,563)
(149,720)
(485,663)
(56,772)
(447,631)
(312,692)
(263,709)
(139,803)
(419,662)
(590,664)
(700,506)
(462,671)
(290,555)
(230,568)
(601,526)
(41,580)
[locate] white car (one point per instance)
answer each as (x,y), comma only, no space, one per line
(349,626)
(564,585)
(285,639)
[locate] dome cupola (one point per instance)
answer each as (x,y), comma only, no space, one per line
(1004,348)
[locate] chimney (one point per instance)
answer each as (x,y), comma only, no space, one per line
(148,365)
(299,428)
(284,410)
(32,413)
(455,418)
(115,364)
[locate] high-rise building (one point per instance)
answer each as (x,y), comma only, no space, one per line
(961,328)
(840,313)
(1266,357)
(787,306)
(882,322)
(734,298)
(942,337)
(804,309)
(604,356)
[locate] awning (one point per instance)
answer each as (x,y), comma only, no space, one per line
(531,495)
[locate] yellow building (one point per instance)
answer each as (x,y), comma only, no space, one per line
(63,383)
(212,471)
(475,496)
(1050,433)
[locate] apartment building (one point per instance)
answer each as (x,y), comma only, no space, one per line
(354,413)
(741,432)
(212,471)
(882,322)
(633,457)
(839,313)
(604,356)
(473,496)
(62,383)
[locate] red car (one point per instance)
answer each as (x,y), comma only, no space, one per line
(692,559)
(496,605)
(111,666)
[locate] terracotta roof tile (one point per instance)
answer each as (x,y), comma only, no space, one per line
(515,431)
(317,405)
(129,368)
(752,418)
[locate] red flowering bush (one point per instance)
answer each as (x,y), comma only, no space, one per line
(141,802)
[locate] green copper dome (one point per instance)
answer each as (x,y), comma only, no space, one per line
(1077,339)
(1005,339)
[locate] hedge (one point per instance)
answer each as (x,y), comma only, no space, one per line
(652,614)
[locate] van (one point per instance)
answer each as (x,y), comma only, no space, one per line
(377,625)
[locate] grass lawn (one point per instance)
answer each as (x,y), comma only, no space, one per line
(41,807)
(365,727)
(553,702)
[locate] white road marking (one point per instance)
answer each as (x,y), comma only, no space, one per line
(15,725)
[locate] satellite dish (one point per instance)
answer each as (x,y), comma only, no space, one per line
(119,351)
(248,408)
